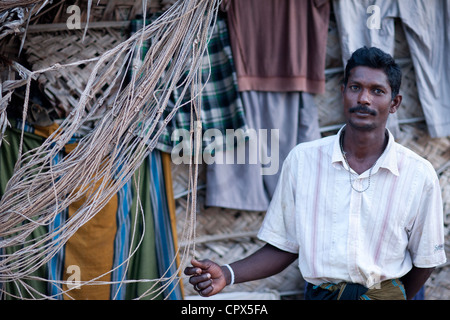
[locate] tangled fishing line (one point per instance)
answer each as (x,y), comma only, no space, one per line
(108,156)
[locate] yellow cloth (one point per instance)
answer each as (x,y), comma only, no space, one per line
(171,204)
(91,249)
(48,130)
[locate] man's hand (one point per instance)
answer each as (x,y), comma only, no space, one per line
(207,277)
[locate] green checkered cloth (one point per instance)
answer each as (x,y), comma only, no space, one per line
(221,105)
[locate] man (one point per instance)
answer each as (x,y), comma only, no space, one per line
(362,214)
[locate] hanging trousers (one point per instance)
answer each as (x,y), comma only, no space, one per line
(289,118)
(426,25)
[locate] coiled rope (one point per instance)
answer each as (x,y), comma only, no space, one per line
(110,154)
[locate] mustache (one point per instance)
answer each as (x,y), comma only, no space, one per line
(361,108)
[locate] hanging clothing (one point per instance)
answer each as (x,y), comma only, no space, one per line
(221,106)
(91,250)
(9,150)
(285,118)
(156,253)
(157,199)
(165,233)
(426,24)
(279,46)
(106,241)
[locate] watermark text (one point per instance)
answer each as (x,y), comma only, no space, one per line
(229,149)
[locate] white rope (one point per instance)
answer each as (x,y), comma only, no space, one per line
(111,153)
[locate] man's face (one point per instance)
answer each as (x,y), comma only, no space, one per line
(368,99)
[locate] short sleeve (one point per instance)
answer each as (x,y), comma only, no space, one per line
(426,242)
(278,228)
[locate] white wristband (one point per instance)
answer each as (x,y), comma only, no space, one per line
(232,274)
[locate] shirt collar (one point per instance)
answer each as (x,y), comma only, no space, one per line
(387,160)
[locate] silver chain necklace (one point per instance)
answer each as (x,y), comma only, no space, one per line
(349,170)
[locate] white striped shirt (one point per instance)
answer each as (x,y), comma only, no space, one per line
(344,235)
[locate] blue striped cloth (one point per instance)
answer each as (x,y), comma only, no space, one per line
(164,238)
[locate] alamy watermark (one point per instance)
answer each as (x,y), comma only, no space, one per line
(74,20)
(374,20)
(237,146)
(74,280)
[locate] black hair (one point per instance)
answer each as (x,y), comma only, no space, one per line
(377,59)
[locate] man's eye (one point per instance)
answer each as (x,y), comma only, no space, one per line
(354,87)
(378,91)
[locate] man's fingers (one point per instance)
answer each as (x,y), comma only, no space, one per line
(206,291)
(204,264)
(204,288)
(198,267)
(198,279)
(191,271)
(203,285)
(204,275)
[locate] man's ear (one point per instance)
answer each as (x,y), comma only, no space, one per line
(342,93)
(342,89)
(395,103)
